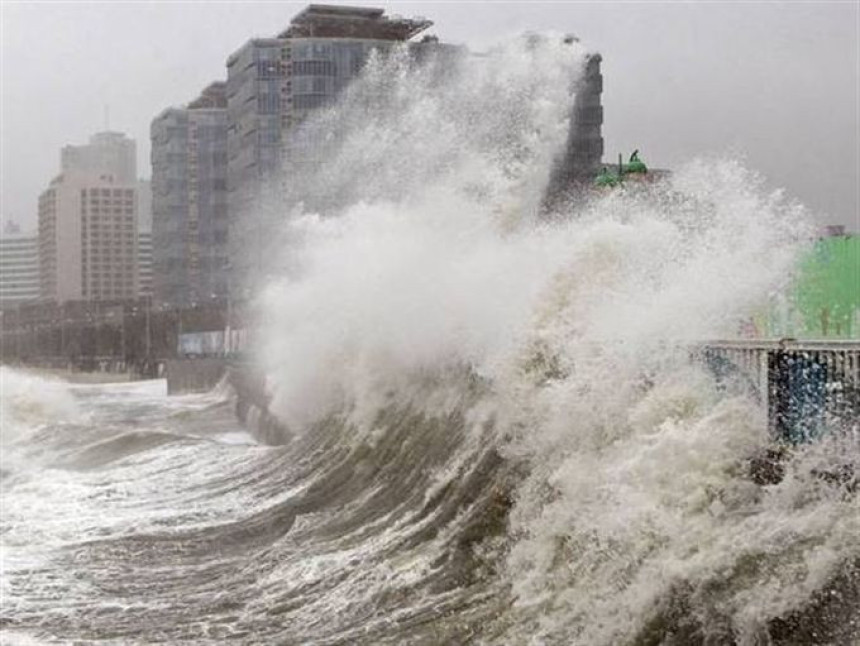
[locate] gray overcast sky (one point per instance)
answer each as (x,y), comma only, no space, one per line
(776,82)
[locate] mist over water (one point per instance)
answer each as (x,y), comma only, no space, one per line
(498,434)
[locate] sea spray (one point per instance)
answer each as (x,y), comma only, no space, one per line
(28,403)
(580,325)
(409,263)
(501,434)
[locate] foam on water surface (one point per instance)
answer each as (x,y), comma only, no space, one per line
(499,435)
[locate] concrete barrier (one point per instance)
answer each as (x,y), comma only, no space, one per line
(252,405)
(194,375)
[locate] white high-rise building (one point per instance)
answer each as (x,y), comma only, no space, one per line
(88,237)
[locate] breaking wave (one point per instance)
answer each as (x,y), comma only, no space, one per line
(633,516)
(498,432)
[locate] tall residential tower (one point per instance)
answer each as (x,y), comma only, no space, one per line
(274,83)
(88,223)
(189,200)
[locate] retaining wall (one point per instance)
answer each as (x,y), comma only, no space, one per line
(194,375)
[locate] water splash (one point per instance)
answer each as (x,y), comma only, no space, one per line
(29,402)
(429,250)
(499,435)
(432,260)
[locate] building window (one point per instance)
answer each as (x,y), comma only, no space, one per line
(268,69)
(309,101)
(266,53)
(269,103)
(321,50)
(314,68)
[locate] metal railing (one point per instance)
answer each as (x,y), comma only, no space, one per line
(808,387)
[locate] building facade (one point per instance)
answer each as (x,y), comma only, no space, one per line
(144,264)
(108,152)
(88,238)
(19,268)
(189,200)
(274,83)
(144,205)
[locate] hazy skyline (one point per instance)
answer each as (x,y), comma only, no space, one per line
(776,83)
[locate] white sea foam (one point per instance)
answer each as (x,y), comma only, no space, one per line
(426,297)
(580,323)
(435,257)
(27,403)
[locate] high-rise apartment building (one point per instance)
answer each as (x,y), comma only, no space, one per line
(273,83)
(19,267)
(88,245)
(189,200)
(88,239)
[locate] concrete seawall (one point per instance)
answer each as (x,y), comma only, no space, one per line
(201,374)
(252,405)
(195,375)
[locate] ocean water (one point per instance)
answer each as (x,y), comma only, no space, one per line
(497,434)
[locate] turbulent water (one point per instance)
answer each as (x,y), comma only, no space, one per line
(497,434)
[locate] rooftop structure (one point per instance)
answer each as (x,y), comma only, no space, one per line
(338,21)
(107,153)
(11,228)
(213,95)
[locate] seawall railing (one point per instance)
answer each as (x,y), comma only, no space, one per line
(808,387)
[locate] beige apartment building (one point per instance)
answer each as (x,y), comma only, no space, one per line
(88,247)
(88,237)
